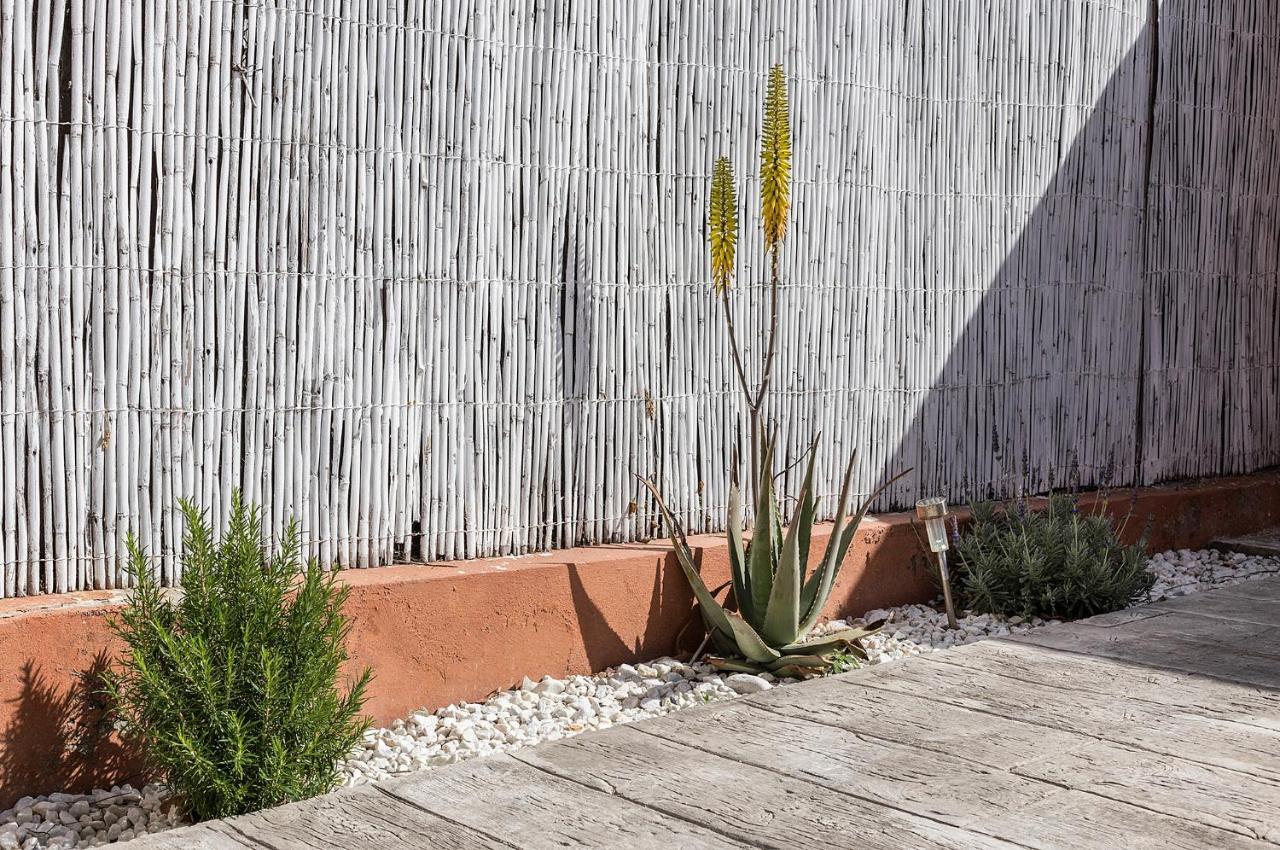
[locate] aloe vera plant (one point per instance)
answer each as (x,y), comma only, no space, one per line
(778,600)
(775,600)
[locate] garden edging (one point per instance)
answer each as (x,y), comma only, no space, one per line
(439,633)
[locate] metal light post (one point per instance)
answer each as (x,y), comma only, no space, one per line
(934,514)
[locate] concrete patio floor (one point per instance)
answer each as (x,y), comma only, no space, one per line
(1154,727)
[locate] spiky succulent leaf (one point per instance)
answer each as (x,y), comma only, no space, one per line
(713,613)
(824,578)
(792,666)
(804,665)
(805,658)
(837,547)
(782,619)
(775,160)
(735,665)
(739,569)
(801,671)
(845,638)
(750,644)
(761,553)
(805,515)
(722,225)
(813,597)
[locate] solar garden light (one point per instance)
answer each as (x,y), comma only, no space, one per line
(934,513)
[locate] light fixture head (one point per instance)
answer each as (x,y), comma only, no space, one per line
(934,514)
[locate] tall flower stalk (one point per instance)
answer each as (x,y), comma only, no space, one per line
(776,600)
(722,226)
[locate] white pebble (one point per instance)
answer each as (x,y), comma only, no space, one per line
(745,683)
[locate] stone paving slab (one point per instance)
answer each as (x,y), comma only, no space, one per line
(1158,727)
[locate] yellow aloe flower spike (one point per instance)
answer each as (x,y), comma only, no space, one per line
(722,225)
(775,161)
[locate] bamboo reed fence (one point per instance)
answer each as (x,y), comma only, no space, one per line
(432,277)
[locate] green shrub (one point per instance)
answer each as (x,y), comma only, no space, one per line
(1053,563)
(232,689)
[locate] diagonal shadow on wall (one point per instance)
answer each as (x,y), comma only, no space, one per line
(1051,360)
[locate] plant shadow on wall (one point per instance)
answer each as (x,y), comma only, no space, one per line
(62,737)
(604,646)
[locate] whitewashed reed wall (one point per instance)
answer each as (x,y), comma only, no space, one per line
(431,275)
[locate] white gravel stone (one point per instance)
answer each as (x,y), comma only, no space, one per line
(552,709)
(1185,571)
(83,820)
(745,683)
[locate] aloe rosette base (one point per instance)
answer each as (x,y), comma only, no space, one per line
(775,600)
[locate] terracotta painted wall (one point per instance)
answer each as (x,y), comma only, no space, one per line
(439,633)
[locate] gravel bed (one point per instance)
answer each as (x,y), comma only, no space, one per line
(86,820)
(557,708)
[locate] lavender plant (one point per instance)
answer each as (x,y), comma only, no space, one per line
(1059,562)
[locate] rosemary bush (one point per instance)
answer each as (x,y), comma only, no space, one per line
(232,690)
(1054,563)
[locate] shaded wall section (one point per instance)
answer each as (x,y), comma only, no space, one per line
(1130,334)
(1033,267)
(1212,309)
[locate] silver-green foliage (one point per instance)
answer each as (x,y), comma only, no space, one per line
(777,600)
(1059,562)
(232,690)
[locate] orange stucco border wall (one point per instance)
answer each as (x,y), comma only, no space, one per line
(444,632)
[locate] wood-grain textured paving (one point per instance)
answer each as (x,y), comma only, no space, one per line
(1156,727)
